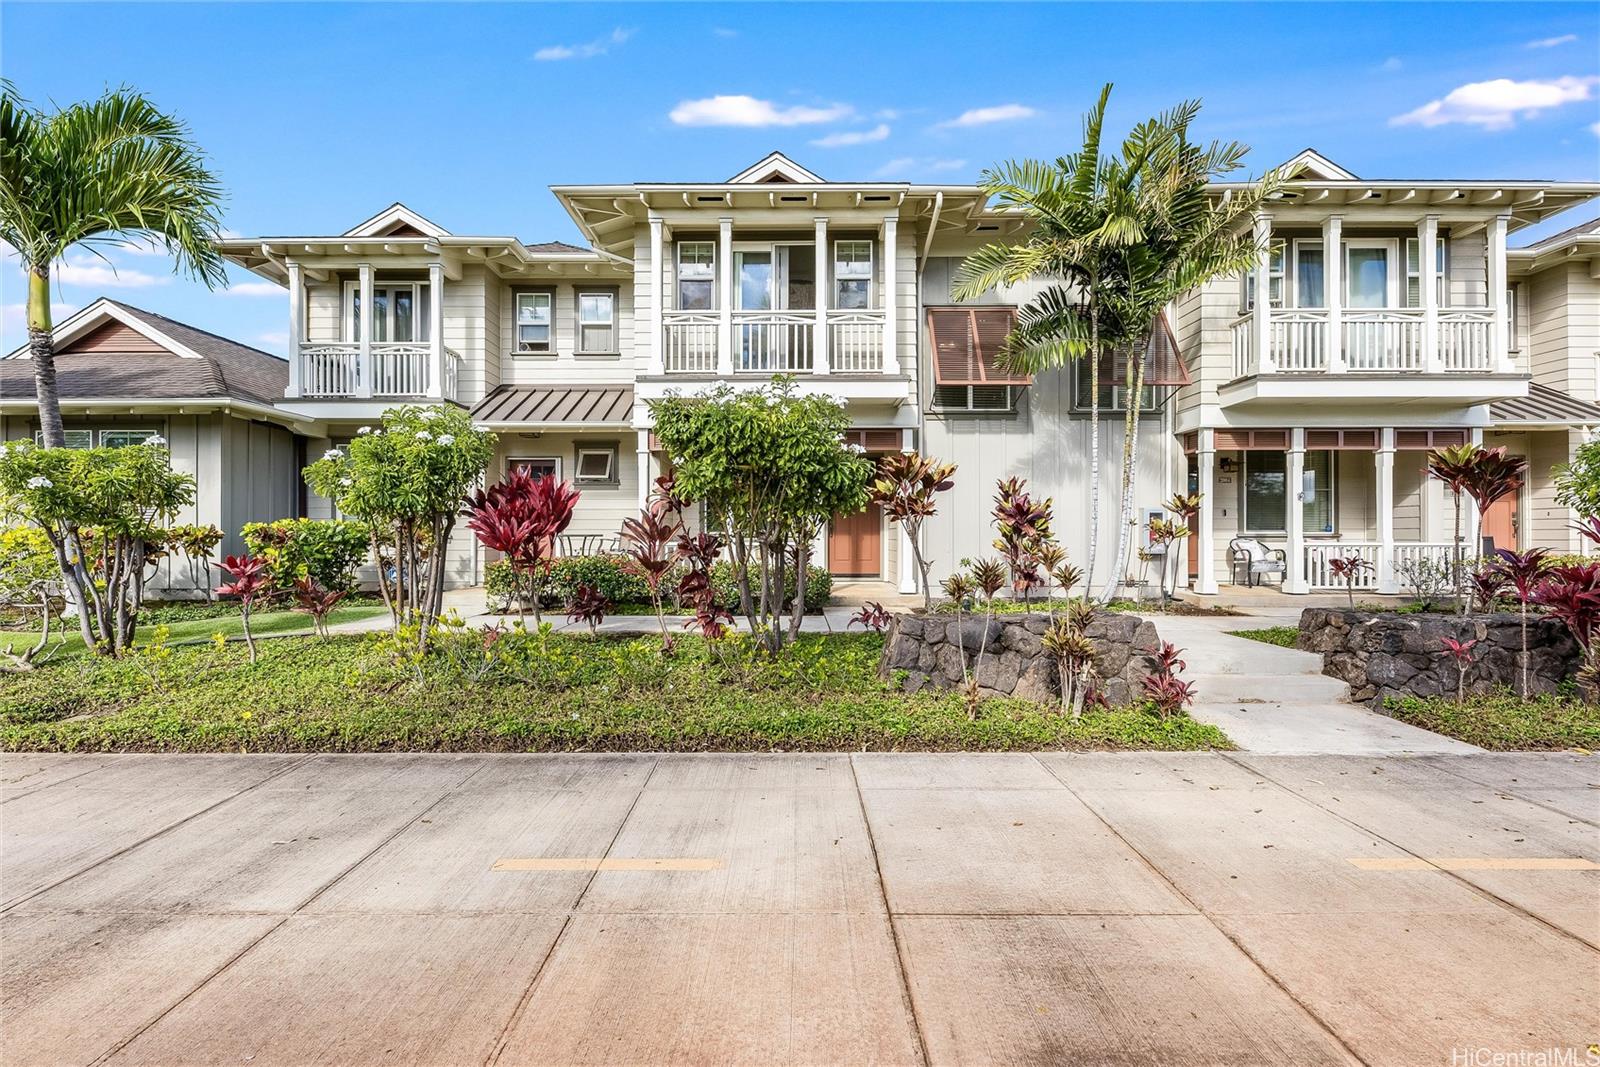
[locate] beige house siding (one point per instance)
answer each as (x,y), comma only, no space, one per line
(566,364)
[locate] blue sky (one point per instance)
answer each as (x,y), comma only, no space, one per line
(318,115)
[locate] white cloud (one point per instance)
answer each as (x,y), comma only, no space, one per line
(254,289)
(93,274)
(1552,42)
(1594,128)
(139,246)
(904,166)
(16,315)
(724,31)
(983,116)
(743,110)
(844,138)
(588,50)
(1497,104)
(1392,64)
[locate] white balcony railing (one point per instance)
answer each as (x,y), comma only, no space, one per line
(398,369)
(773,342)
(1382,340)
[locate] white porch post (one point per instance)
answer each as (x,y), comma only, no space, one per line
(1205,581)
(1469,509)
(821,358)
(297,326)
(436,355)
(891,294)
(725,298)
(1333,289)
(1294,519)
(1498,344)
(908,563)
(1384,459)
(364,371)
(644,468)
(1428,274)
(657,297)
(1261,322)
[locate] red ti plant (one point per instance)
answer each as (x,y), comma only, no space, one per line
(316,601)
(1523,571)
(1164,688)
(1024,527)
(905,486)
(694,588)
(872,616)
(1488,585)
(1571,593)
(650,536)
(588,605)
(251,582)
(520,517)
(1492,475)
(1461,652)
(1349,569)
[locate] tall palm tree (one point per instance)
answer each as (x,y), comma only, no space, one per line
(93,174)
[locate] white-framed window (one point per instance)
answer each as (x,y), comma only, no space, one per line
(536,315)
(1414,274)
(1370,274)
(1267,496)
(124,438)
(997,399)
(852,275)
(400,311)
(1310,276)
(697,275)
(597,464)
(70,438)
(597,325)
(1113,394)
(538,466)
(1277,254)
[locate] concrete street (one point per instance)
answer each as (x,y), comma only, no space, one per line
(788,909)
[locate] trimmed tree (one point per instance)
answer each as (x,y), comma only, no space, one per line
(905,487)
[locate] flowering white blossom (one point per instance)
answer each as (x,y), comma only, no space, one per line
(347,482)
(39,481)
(427,414)
(333,453)
(447,439)
(857,449)
(364,431)
(424,435)
(156,439)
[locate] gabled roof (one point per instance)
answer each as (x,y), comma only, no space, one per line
(1310,163)
(775,167)
(397,220)
(180,362)
(1556,240)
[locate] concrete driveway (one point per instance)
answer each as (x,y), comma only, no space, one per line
(884,908)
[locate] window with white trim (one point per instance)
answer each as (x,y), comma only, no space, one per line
(597,465)
(852,275)
(1414,274)
(124,438)
(597,327)
(1113,393)
(536,322)
(1276,256)
(70,438)
(538,466)
(973,398)
(400,311)
(1267,496)
(697,275)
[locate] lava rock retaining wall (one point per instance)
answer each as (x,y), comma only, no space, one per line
(1386,654)
(1014,662)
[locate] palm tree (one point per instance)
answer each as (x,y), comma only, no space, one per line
(94,174)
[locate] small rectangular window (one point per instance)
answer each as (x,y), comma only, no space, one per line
(1276,256)
(535,316)
(1113,394)
(538,466)
(973,398)
(124,438)
(696,275)
(597,331)
(1309,287)
(71,438)
(597,465)
(852,275)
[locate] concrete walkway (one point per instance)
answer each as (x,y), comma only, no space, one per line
(797,909)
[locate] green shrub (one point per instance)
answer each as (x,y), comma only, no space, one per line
(620,579)
(327,551)
(819,586)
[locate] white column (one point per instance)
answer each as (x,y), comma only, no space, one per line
(364,371)
(1205,581)
(908,563)
(891,294)
(655,273)
(1469,510)
(725,298)
(1294,519)
(297,326)
(645,479)
(1498,345)
(1333,289)
(1387,582)
(1427,277)
(1261,323)
(821,358)
(436,355)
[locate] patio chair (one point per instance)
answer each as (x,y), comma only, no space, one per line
(1254,561)
(581,544)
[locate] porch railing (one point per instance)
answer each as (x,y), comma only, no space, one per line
(689,342)
(1381,340)
(1388,340)
(855,341)
(1319,555)
(398,369)
(774,341)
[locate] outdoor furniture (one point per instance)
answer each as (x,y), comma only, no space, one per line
(581,544)
(1254,560)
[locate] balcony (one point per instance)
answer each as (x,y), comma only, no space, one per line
(399,369)
(773,342)
(1389,340)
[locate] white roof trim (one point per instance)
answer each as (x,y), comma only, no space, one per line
(396,212)
(775,163)
(1313,164)
(95,316)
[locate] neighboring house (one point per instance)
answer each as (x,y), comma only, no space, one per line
(1334,385)
(125,375)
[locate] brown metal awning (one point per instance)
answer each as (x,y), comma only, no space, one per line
(1163,361)
(966,345)
(575,406)
(1544,406)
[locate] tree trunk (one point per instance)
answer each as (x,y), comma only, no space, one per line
(42,349)
(1094,434)
(1130,458)
(1459,576)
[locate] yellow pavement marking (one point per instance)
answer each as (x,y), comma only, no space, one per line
(595,863)
(1476,863)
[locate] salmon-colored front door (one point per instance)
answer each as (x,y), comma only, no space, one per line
(855,544)
(1500,522)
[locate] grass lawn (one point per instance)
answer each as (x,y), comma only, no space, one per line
(271,622)
(1282,636)
(1506,723)
(526,693)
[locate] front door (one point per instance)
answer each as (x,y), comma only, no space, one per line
(855,544)
(1500,522)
